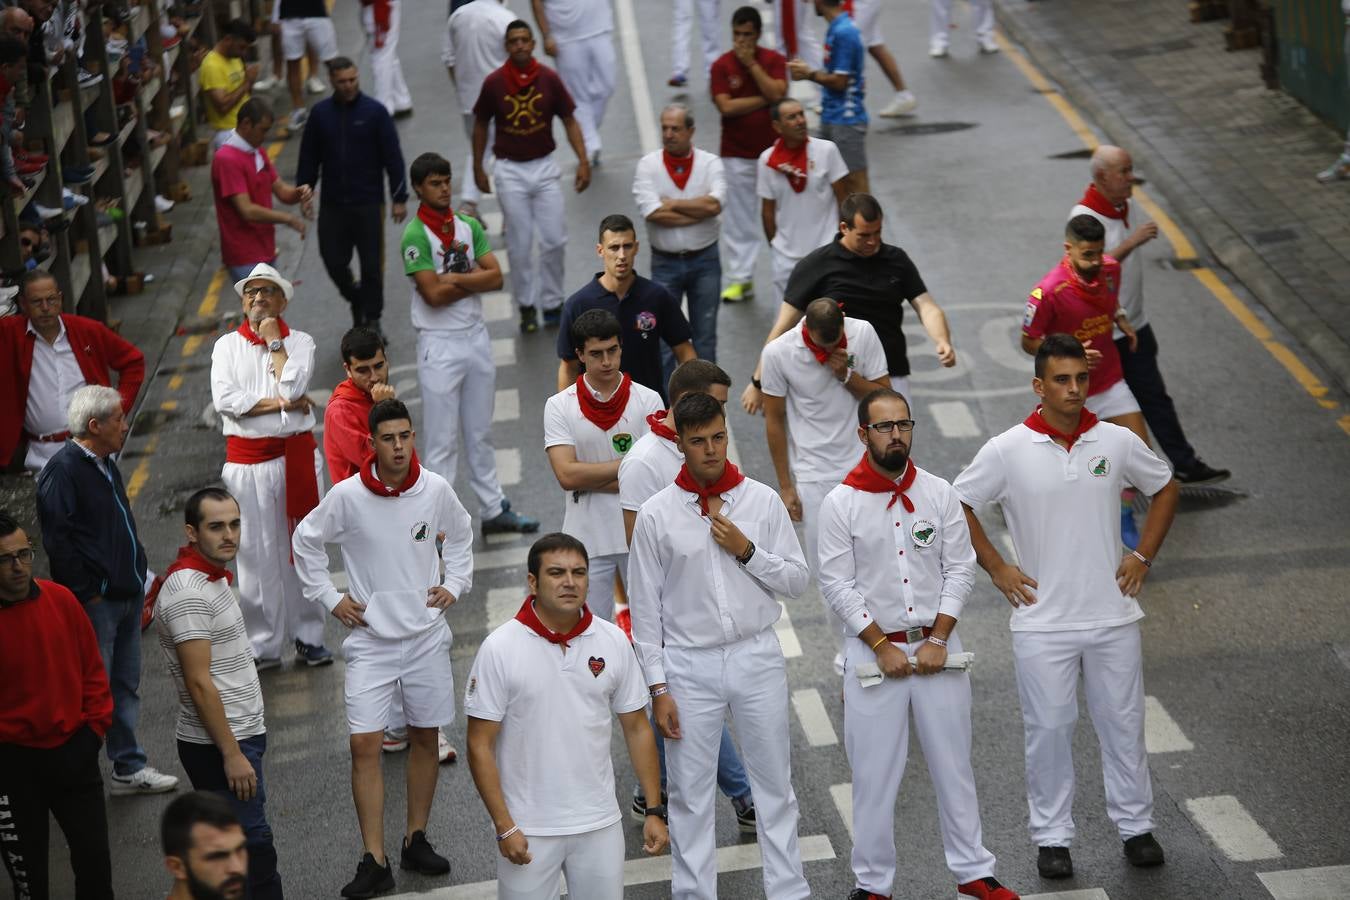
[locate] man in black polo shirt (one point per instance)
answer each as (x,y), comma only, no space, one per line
(647,311)
(871,281)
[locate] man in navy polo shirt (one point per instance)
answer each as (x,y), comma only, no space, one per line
(648,313)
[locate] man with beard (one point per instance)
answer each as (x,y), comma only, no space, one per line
(204,849)
(896,567)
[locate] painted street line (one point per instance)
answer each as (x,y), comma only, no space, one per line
(503,352)
(1232,828)
(508,466)
(787,638)
(842,795)
(953,419)
(506,406)
(1323,883)
(814,719)
(1161,732)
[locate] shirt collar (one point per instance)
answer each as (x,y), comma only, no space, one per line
(60,335)
(844,253)
(1089,435)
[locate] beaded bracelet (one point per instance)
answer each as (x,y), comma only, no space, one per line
(934,639)
(507,833)
(1142,558)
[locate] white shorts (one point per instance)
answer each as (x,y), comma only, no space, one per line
(378,667)
(592,863)
(316,31)
(1114,401)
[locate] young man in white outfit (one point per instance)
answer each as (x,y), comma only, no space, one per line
(896,568)
(681,25)
(709,553)
(473,49)
(579,35)
(450,263)
(542,693)
(588,427)
(380,21)
(259,377)
(387,520)
(940,24)
(1058,477)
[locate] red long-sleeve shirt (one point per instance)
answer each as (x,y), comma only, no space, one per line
(346,430)
(51,674)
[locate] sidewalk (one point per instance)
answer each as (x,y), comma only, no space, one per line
(1236,160)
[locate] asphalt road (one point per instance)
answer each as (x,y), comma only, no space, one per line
(1247,639)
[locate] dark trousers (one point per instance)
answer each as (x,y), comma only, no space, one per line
(697,279)
(1146,383)
(343,229)
(205,768)
(64,781)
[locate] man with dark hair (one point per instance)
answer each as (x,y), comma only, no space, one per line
(539,735)
(647,313)
(48,355)
(843,112)
(205,849)
(220,728)
(709,553)
(588,427)
(351,144)
(520,101)
(1057,476)
(449,263)
(873,279)
(387,521)
(54,710)
(226,81)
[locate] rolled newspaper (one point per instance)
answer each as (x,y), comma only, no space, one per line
(869,674)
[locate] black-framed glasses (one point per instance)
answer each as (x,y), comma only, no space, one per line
(24,557)
(265,290)
(888,427)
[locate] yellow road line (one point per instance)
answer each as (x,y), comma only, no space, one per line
(208,304)
(175,382)
(274,150)
(1181,245)
(142,473)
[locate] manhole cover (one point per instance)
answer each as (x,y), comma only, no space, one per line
(928,128)
(1085,153)
(1182,265)
(1275,236)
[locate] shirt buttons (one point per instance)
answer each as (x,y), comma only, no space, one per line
(902,553)
(897,524)
(906,581)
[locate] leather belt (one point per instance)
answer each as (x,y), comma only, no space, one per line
(683,254)
(56,437)
(909,635)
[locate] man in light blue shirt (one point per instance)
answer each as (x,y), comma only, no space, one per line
(843,116)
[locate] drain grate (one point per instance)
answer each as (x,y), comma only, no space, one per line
(1085,153)
(1182,265)
(1275,236)
(928,128)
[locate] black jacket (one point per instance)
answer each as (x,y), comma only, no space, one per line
(349,146)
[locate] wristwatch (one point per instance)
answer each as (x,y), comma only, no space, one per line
(748,555)
(275,345)
(658,810)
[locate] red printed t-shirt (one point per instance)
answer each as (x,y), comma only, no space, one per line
(745,137)
(525,118)
(235,172)
(1062,303)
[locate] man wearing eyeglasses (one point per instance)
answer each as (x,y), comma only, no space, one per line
(47,357)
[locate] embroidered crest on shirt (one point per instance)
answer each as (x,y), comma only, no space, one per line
(923,532)
(412,254)
(622,442)
(645,321)
(1099,466)
(596,664)
(421,531)
(473,685)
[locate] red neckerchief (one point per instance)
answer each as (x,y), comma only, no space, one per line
(347,390)
(865,477)
(378,487)
(246,329)
(519,79)
(1096,290)
(1086,421)
(820,353)
(678,167)
(657,421)
(189,557)
(791,163)
(530,619)
(1096,201)
(731,476)
(440,221)
(603,414)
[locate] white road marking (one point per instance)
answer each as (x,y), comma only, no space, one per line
(508,558)
(1161,732)
(631,45)
(842,794)
(502,262)
(405,386)
(508,466)
(1089,894)
(504,537)
(1232,828)
(506,406)
(787,638)
(503,352)
(953,419)
(815,720)
(497,306)
(502,604)
(492,221)
(1322,883)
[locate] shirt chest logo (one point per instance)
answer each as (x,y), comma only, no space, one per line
(623,442)
(923,532)
(735,82)
(645,322)
(596,664)
(420,532)
(1099,467)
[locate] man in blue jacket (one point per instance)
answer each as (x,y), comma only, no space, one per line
(91,541)
(351,138)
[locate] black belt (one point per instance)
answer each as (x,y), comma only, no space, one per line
(683,254)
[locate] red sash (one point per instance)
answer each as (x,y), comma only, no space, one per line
(530,619)
(302,486)
(865,477)
(657,421)
(791,163)
(603,414)
(731,476)
(679,167)
(1086,421)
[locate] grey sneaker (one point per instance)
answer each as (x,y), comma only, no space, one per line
(147,781)
(510,520)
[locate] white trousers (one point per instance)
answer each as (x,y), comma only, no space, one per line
(709,25)
(809,47)
(600,583)
(876,737)
(749,678)
(742,230)
(592,862)
(1048,666)
(458,383)
(275,610)
(587,68)
(782,269)
(531,199)
(390,88)
(940,19)
(468,188)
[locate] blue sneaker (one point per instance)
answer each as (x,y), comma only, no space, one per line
(312,655)
(509,520)
(1129,532)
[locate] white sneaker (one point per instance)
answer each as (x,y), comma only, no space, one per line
(395,740)
(77,199)
(902,104)
(987,43)
(937,49)
(162,204)
(146,781)
(445,751)
(315,85)
(297,119)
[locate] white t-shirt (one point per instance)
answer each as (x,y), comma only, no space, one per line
(575,20)
(652,181)
(1131,267)
(595,517)
(556,711)
(1063,511)
(475,45)
(822,415)
(652,464)
(810,219)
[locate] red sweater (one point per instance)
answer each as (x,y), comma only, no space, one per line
(346,430)
(98,349)
(51,674)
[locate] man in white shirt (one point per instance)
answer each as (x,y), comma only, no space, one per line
(680,190)
(709,553)
(897,574)
(1073,596)
(801,186)
(588,427)
(259,378)
(473,48)
(541,694)
(387,520)
(579,34)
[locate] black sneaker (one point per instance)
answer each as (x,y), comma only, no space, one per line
(639,810)
(1202,474)
(419,857)
(371,879)
(865,894)
(313,655)
(745,814)
(1054,862)
(508,520)
(553,316)
(529,320)
(1143,850)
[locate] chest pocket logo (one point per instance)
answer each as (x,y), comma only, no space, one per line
(420,532)
(1099,467)
(596,664)
(622,442)
(923,532)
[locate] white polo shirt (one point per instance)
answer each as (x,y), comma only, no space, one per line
(595,517)
(54,378)
(575,20)
(475,45)
(1063,511)
(897,568)
(652,464)
(556,711)
(822,415)
(652,181)
(810,219)
(241,375)
(1131,267)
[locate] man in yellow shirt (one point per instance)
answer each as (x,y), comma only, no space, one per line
(226,82)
